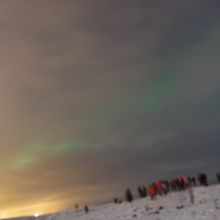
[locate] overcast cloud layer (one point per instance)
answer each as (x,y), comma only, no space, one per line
(100,95)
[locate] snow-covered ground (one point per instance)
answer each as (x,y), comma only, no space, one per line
(175,206)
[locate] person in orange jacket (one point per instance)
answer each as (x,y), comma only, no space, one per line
(152,190)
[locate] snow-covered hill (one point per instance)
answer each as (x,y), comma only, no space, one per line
(175,206)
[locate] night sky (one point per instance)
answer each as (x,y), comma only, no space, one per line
(99,95)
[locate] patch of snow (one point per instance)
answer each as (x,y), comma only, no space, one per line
(174,206)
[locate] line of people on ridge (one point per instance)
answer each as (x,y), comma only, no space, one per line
(177,184)
(164,187)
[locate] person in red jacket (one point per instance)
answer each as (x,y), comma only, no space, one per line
(159,188)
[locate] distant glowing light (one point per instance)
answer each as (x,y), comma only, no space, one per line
(3,215)
(36,215)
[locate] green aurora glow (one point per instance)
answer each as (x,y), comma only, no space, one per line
(38,151)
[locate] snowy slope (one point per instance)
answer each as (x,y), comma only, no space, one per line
(175,206)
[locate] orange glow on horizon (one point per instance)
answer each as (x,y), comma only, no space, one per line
(30,210)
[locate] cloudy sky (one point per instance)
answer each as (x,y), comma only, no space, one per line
(104,94)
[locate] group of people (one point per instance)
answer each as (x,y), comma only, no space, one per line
(160,187)
(177,184)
